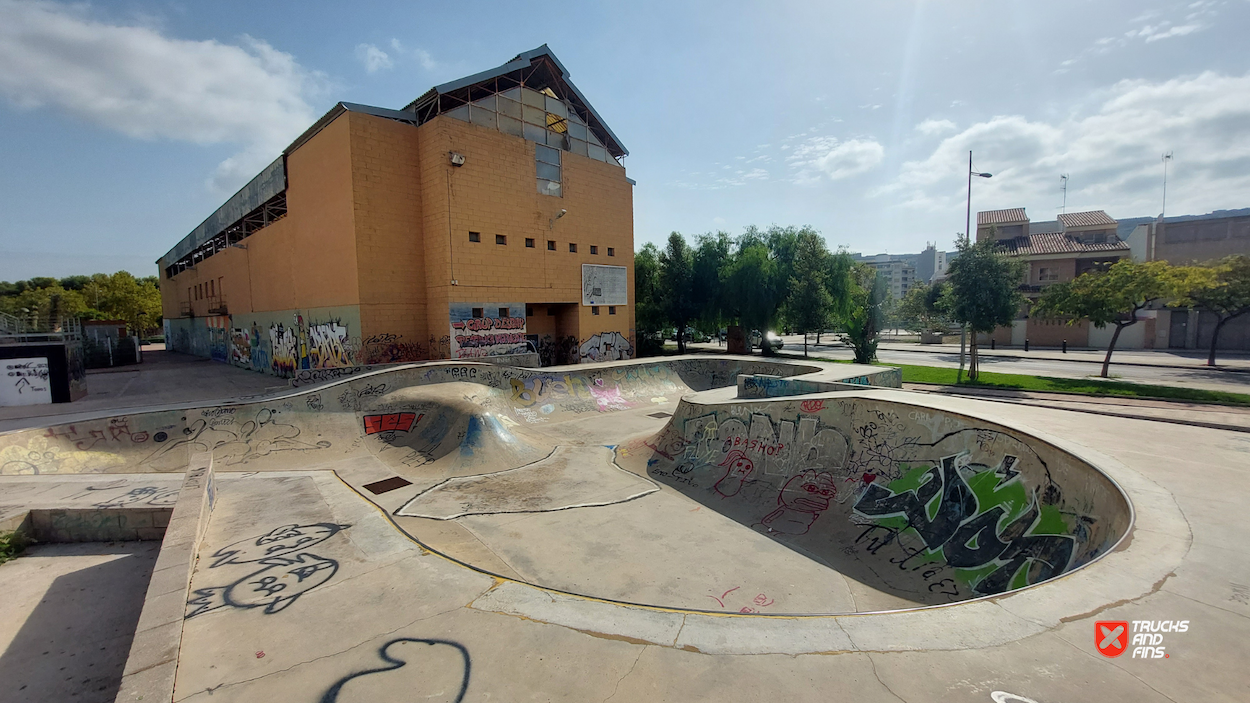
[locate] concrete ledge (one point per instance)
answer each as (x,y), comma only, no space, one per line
(152,665)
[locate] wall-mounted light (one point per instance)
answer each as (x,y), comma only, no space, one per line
(457,159)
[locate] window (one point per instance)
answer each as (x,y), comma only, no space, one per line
(212,289)
(611,251)
(479,312)
(501,239)
(547,164)
(594,249)
(529,242)
(611,309)
(529,310)
(475,236)
(594,310)
(503,312)
(572,247)
(1047,274)
(551,245)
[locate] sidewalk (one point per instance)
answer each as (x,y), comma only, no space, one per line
(1167,358)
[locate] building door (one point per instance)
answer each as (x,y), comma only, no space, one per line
(1178,329)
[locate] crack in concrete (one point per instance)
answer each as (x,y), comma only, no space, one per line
(873,664)
(213,689)
(627,673)
(1158,586)
(677,638)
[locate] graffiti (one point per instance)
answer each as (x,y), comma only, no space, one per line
(328,346)
(26,382)
(608,398)
(232,443)
(605,346)
(801,501)
(306,377)
(271,588)
(389,349)
(314,402)
(241,347)
(150,495)
(780,450)
(812,406)
(397,655)
(283,341)
(402,422)
(737,469)
(489,333)
(41,456)
(280,541)
(537,390)
(987,527)
(759,601)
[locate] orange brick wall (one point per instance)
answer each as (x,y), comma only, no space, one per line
(386,187)
(496,193)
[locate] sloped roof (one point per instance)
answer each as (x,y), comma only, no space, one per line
(1057,243)
(1092,218)
(1002,217)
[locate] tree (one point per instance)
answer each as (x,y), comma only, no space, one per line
(1225,292)
(862,321)
(710,259)
(809,302)
(46,302)
(839,283)
(648,307)
(677,281)
(924,309)
(1115,296)
(750,288)
(984,290)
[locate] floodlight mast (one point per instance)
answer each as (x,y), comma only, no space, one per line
(963,331)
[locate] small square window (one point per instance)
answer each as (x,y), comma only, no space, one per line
(475,236)
(594,249)
(611,309)
(572,247)
(503,312)
(551,245)
(611,251)
(529,242)
(594,310)
(501,239)
(479,312)
(529,310)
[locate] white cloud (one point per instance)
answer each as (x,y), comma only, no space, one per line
(833,159)
(373,58)
(134,80)
(1112,153)
(933,126)
(421,56)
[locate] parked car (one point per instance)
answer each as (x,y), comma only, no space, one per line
(759,340)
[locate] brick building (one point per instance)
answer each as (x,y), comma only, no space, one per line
(1085,241)
(491,216)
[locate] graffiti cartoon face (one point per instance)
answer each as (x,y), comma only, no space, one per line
(809,492)
(737,468)
(279,584)
(277,542)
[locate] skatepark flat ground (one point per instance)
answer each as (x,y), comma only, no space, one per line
(576,572)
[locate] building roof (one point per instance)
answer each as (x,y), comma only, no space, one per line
(1092,218)
(1002,217)
(1057,243)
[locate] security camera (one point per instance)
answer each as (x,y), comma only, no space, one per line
(457,159)
(562,214)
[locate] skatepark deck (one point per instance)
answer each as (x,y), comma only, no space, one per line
(680,529)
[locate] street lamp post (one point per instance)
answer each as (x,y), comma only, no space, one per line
(963,332)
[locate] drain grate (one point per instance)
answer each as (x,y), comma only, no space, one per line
(387,484)
(660,415)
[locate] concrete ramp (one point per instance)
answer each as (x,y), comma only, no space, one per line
(926,505)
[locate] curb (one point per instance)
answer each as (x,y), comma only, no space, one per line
(1090,361)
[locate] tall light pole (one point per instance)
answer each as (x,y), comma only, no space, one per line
(1166,158)
(963,332)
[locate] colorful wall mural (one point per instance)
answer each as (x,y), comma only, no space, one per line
(481,329)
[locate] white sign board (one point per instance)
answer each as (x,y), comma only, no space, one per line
(604,285)
(25,382)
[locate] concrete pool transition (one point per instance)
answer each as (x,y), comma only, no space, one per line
(689,528)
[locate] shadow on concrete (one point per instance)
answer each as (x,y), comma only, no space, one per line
(74,643)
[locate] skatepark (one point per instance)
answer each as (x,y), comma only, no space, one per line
(686,528)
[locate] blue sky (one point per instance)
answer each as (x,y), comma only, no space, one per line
(124,124)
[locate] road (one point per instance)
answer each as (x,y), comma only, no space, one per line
(1209,379)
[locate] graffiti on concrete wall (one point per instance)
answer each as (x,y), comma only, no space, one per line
(605,346)
(284,341)
(389,348)
(328,346)
(481,329)
(26,381)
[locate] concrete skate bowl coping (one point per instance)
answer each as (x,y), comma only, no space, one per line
(644,482)
(925,506)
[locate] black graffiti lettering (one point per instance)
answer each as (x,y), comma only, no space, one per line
(393,663)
